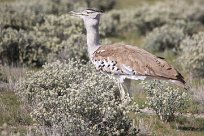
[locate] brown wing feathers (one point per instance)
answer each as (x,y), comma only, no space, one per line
(121,59)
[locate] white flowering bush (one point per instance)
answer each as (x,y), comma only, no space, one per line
(192,55)
(165,100)
(73,99)
(164,38)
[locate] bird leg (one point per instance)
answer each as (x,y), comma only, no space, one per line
(127,83)
(124,88)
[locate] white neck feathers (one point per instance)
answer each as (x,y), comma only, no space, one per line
(92,37)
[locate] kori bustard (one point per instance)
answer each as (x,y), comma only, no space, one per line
(124,62)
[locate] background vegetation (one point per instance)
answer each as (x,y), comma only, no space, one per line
(48,86)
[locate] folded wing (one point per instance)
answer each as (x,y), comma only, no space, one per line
(133,61)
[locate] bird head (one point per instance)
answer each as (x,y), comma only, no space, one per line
(91,17)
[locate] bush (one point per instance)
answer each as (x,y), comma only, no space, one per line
(63,35)
(25,14)
(164,38)
(72,99)
(109,23)
(99,4)
(45,42)
(20,15)
(164,100)
(195,12)
(189,27)
(40,33)
(31,36)
(192,55)
(118,22)
(148,17)
(58,29)
(21,47)
(49,27)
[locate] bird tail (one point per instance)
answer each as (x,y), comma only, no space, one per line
(181,83)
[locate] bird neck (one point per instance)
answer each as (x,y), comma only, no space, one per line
(92,38)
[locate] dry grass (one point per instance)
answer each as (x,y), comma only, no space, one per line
(13,112)
(182,126)
(198,94)
(145,127)
(14,115)
(9,76)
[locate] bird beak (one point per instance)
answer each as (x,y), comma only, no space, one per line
(73,13)
(101,12)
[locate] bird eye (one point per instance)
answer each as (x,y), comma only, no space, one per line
(88,12)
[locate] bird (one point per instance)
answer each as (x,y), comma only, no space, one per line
(124,62)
